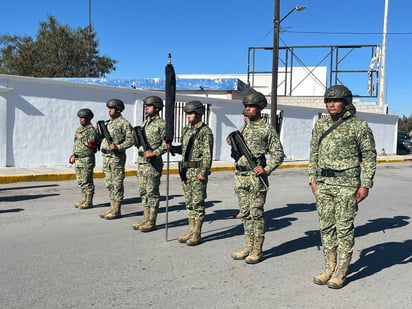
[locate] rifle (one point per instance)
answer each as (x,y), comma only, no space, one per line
(141,139)
(239,148)
(102,128)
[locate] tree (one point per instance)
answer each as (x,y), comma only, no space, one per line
(58,51)
(405,124)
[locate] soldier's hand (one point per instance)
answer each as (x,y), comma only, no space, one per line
(258,170)
(113,147)
(200,177)
(362,194)
(72,159)
(148,154)
(313,187)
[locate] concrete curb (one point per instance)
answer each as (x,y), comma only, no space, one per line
(62,176)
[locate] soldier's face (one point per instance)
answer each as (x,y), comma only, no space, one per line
(150,110)
(84,121)
(113,113)
(252,112)
(192,118)
(335,106)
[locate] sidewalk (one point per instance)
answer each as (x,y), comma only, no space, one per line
(60,173)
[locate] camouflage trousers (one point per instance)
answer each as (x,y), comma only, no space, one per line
(148,176)
(337,209)
(114,172)
(195,194)
(84,176)
(251,196)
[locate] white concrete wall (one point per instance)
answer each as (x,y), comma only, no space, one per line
(38,119)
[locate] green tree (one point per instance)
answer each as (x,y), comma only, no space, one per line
(405,124)
(58,51)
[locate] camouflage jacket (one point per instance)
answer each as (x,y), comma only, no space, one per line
(202,148)
(155,131)
(344,150)
(85,141)
(121,132)
(261,139)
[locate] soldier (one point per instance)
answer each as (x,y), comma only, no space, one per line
(83,156)
(196,150)
(339,144)
(150,163)
(114,156)
(261,139)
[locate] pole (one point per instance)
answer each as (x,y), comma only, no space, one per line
(275,67)
(383,59)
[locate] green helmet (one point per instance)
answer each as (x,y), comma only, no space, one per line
(85,113)
(338,92)
(154,100)
(115,103)
(194,107)
(257,99)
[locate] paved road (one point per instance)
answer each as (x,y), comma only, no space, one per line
(56,256)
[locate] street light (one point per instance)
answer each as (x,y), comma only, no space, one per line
(275,61)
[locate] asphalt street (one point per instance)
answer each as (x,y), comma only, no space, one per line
(56,256)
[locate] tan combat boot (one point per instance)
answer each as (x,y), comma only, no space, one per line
(150,225)
(103,214)
(88,203)
(196,237)
(184,238)
(146,212)
(116,211)
(256,255)
(338,278)
(330,264)
(81,201)
(242,254)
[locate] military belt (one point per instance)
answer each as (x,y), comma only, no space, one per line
(192,164)
(331,173)
(243,168)
(82,155)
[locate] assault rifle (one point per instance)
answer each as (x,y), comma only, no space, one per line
(239,149)
(140,139)
(102,128)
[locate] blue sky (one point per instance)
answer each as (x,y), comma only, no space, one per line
(213,37)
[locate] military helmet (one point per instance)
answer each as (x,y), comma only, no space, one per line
(85,113)
(257,99)
(115,103)
(194,107)
(154,100)
(338,92)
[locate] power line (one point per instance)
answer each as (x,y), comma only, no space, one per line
(349,33)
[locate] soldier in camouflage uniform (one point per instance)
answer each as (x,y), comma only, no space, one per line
(150,163)
(114,156)
(196,150)
(261,139)
(341,170)
(83,156)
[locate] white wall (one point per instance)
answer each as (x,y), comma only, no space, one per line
(38,119)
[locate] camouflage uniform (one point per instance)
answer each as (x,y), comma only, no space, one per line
(342,151)
(200,163)
(341,163)
(261,139)
(150,170)
(114,161)
(84,149)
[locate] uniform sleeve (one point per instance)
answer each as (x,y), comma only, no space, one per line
(314,154)
(206,139)
(160,150)
(368,153)
(129,139)
(276,154)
